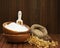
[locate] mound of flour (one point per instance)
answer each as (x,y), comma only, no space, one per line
(16,27)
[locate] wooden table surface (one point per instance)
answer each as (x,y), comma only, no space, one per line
(4,44)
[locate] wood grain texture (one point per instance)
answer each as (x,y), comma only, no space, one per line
(43,12)
(5,44)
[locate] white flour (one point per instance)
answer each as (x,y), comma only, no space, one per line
(16,27)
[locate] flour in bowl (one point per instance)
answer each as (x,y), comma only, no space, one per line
(16,27)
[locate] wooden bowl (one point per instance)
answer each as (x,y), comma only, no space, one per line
(7,31)
(16,38)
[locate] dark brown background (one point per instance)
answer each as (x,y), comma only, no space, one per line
(43,12)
